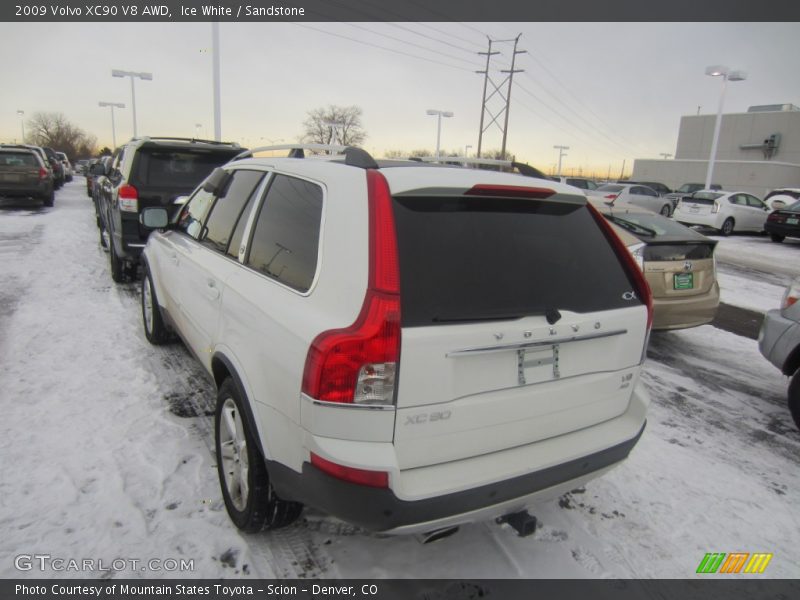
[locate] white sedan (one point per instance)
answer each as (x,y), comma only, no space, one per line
(724,211)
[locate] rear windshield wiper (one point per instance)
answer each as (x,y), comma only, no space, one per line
(551,314)
(634,227)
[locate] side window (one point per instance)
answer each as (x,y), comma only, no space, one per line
(755,202)
(228,208)
(238,233)
(286,237)
(191,218)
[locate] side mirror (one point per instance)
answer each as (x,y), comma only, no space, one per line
(154,217)
(97,169)
(216,182)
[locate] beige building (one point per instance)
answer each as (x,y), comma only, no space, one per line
(757,151)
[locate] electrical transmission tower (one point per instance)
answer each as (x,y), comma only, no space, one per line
(504,111)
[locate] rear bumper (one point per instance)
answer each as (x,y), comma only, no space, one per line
(706,220)
(782,229)
(23,191)
(778,338)
(687,311)
(585,454)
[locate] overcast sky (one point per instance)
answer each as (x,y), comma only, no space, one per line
(609,91)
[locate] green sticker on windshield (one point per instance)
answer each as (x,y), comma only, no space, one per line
(683,281)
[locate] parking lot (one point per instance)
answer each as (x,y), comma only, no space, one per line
(107,442)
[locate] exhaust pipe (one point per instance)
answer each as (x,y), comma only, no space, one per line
(436,534)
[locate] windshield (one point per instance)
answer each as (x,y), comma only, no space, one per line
(653,223)
(688,188)
(795,206)
(610,188)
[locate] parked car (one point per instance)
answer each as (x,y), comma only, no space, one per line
(23,175)
(149,171)
(678,264)
(662,189)
(40,152)
(622,195)
(724,211)
(779,342)
(782,197)
(687,189)
(80,166)
(66,164)
(90,178)
(58,169)
(97,175)
(578,182)
(783,223)
(334,303)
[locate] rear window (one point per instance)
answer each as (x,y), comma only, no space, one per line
(164,168)
(18,159)
(673,252)
(478,259)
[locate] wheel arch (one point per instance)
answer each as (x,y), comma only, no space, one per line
(222,368)
(792,362)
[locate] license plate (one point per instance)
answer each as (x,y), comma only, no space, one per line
(683,281)
(10,178)
(792,221)
(694,209)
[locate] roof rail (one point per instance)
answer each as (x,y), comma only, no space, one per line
(154,138)
(354,157)
(522,168)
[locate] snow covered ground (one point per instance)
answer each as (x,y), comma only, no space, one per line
(105,445)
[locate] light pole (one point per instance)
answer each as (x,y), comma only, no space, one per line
(439,114)
(197,127)
(21,114)
(133,75)
(112,106)
(561,154)
(727,75)
(664,155)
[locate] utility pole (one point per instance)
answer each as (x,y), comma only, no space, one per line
(216,80)
(497,90)
(561,154)
(622,172)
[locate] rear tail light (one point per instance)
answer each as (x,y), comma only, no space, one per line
(378,479)
(715,208)
(42,173)
(358,364)
(128,198)
(610,198)
(792,294)
(642,290)
(775,217)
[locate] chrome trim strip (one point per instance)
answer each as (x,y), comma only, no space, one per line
(346,405)
(524,345)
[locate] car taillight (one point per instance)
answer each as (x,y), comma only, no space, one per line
(715,208)
(776,217)
(629,262)
(358,364)
(379,479)
(42,173)
(610,198)
(128,198)
(791,295)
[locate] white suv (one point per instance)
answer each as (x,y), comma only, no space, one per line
(404,346)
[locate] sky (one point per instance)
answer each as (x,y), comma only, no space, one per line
(611,92)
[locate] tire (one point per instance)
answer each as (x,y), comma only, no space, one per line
(727,227)
(777,238)
(666,210)
(115,264)
(50,199)
(243,478)
(794,398)
(155,330)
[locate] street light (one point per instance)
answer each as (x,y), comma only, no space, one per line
(561,154)
(112,106)
(439,114)
(133,75)
(21,114)
(466,150)
(727,75)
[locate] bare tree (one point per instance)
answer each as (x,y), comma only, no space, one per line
(54,130)
(406,154)
(334,124)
